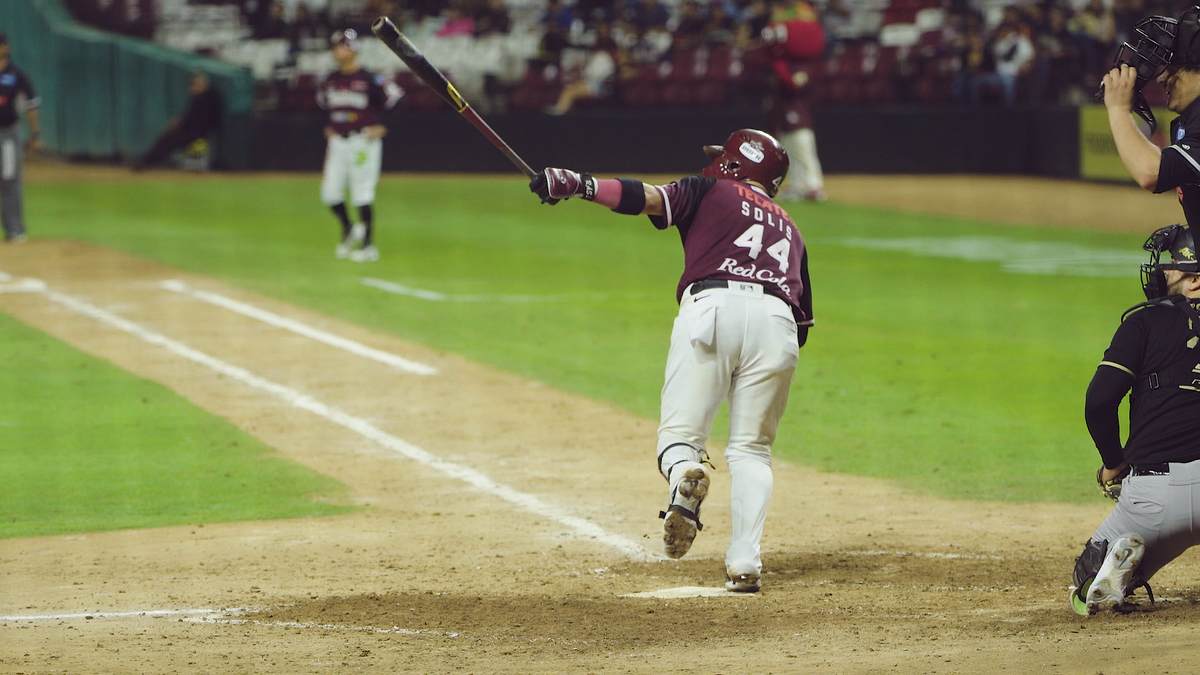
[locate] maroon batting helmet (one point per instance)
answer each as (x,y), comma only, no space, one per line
(749,154)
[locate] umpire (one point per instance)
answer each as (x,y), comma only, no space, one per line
(1155,358)
(1166,50)
(16,95)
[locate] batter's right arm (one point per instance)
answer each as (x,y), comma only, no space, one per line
(623,195)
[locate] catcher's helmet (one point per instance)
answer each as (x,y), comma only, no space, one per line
(749,154)
(348,37)
(1177,241)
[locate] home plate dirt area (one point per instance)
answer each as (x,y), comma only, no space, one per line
(510,528)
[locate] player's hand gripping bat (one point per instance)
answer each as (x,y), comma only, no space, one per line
(385,30)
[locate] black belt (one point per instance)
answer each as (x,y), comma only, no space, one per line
(1150,470)
(707,284)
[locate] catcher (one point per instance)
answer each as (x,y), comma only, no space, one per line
(1155,478)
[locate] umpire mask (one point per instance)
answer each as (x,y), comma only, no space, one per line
(1151,48)
(1175,240)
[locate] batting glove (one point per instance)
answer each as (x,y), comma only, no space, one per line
(551,185)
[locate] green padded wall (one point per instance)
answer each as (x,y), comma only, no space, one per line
(106,95)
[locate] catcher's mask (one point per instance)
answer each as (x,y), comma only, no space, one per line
(749,154)
(348,37)
(1177,241)
(1157,42)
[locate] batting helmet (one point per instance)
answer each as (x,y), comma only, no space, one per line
(348,37)
(1177,241)
(749,155)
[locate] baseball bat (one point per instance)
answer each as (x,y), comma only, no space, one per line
(385,30)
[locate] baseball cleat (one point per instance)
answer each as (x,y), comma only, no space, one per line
(681,520)
(1108,589)
(368,254)
(743,577)
(343,250)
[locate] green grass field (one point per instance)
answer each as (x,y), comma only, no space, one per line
(950,356)
(89,447)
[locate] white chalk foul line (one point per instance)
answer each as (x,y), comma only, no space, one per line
(434,296)
(394,630)
(118,615)
(294,326)
(581,527)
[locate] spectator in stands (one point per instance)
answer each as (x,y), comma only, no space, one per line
(690,29)
(304,26)
(721,27)
(272,25)
(562,15)
(552,44)
(1012,57)
(1096,30)
(1056,68)
(753,17)
(594,12)
(971,56)
(493,19)
(201,118)
(458,23)
(653,45)
(649,15)
(595,79)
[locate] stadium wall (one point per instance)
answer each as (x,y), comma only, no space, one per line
(1040,141)
(105,95)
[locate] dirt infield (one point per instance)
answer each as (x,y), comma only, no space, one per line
(505,522)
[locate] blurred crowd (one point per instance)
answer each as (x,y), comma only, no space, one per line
(978,51)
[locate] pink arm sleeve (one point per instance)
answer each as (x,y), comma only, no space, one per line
(608,192)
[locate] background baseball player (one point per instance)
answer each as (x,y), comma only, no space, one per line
(1166,50)
(354,98)
(795,41)
(16,94)
(745,309)
(1155,357)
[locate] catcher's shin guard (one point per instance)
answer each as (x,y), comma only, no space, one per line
(1105,575)
(1086,566)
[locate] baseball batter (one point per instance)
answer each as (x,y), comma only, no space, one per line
(745,310)
(1167,50)
(1155,477)
(354,98)
(16,94)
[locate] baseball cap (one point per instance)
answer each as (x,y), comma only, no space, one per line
(348,37)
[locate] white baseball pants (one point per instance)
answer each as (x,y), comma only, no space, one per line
(352,163)
(1165,510)
(737,343)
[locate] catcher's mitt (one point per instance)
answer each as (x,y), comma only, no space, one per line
(1111,489)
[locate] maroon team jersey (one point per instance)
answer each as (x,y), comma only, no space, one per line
(355,100)
(735,232)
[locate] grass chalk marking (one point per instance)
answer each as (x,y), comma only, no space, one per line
(294,326)
(584,529)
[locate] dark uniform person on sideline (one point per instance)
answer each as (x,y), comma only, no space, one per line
(1155,478)
(16,93)
(745,306)
(202,117)
(1167,50)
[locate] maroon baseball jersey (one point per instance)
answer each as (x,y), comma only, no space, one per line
(733,231)
(355,100)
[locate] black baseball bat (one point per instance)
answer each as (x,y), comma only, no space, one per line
(385,30)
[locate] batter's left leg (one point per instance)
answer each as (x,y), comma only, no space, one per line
(757,399)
